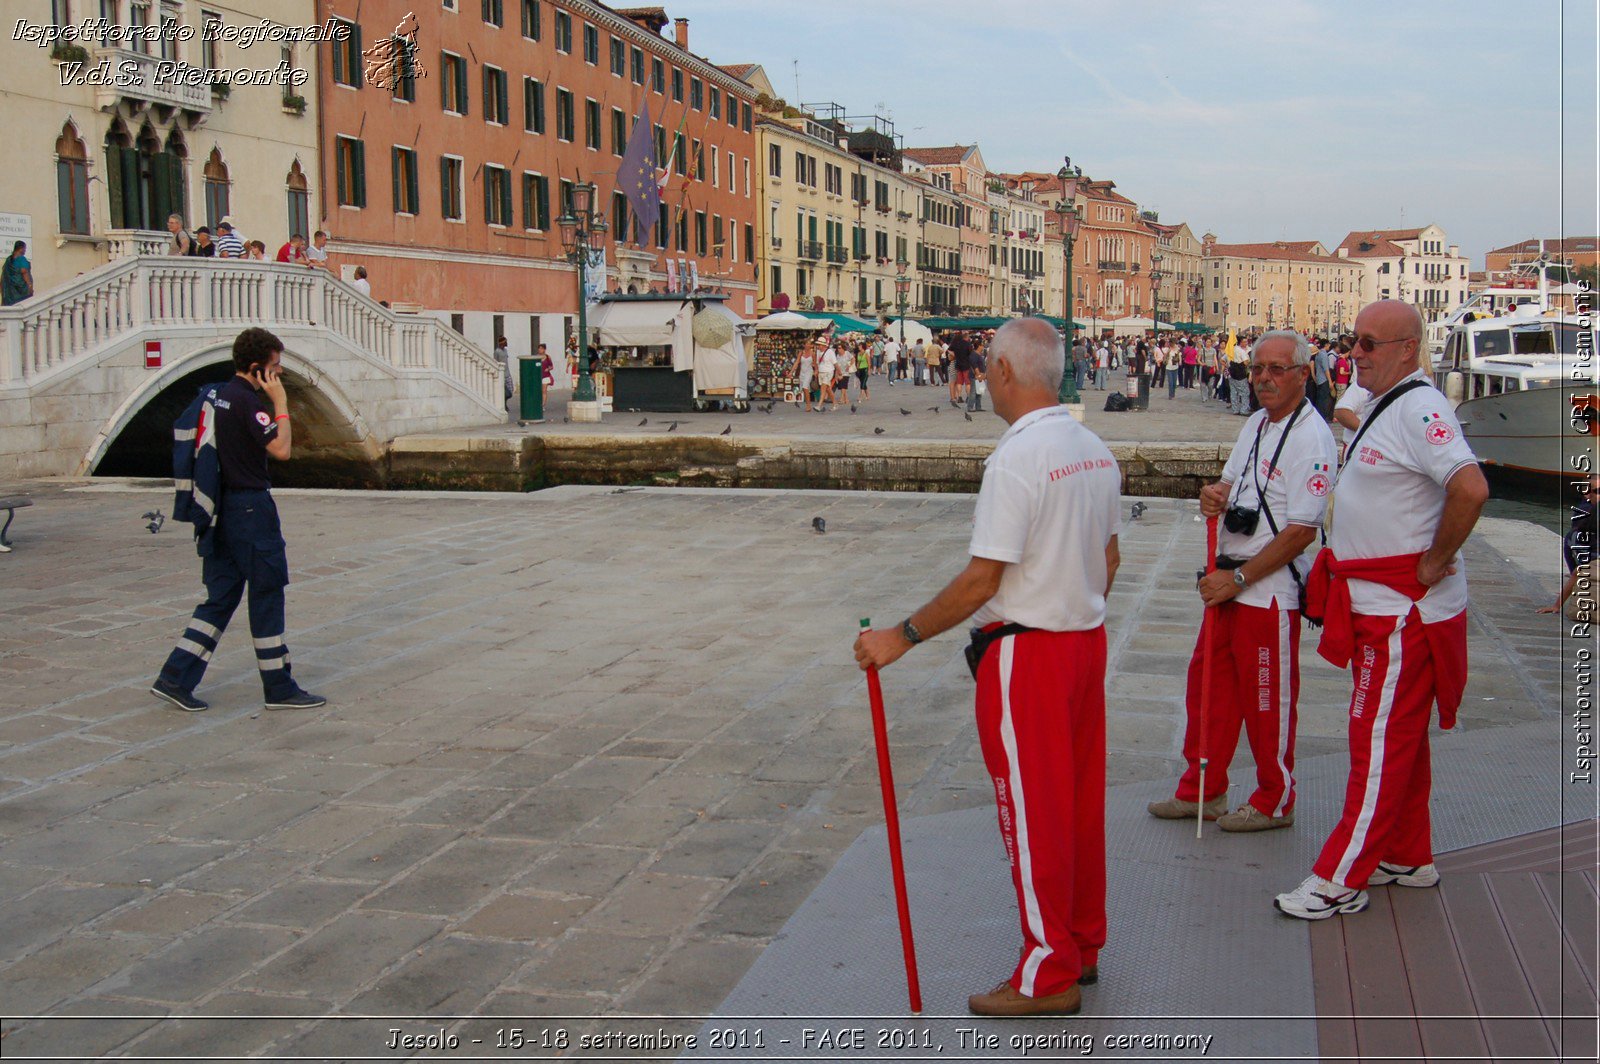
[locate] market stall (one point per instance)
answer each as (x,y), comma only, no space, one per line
(779,340)
(670,354)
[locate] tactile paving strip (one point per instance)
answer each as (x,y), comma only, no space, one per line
(1193,936)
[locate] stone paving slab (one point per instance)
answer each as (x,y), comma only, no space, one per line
(585,753)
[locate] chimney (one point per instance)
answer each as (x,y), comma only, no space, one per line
(680,28)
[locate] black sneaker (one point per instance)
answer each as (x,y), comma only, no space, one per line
(184,700)
(298,700)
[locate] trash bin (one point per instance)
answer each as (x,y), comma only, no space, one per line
(530,376)
(1138,391)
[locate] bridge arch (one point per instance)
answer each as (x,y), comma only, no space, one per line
(333,445)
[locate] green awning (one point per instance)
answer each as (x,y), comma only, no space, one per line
(843,323)
(1060,323)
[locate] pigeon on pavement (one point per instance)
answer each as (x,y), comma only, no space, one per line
(643,421)
(727,431)
(156,519)
(672,426)
(820,525)
(1138,511)
(904,411)
(877,432)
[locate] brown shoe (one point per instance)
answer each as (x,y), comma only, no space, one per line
(1172,809)
(1089,976)
(1003,1000)
(1248,818)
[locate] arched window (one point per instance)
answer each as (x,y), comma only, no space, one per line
(144,179)
(216,175)
(72,181)
(299,201)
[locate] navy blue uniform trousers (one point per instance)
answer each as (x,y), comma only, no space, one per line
(248,550)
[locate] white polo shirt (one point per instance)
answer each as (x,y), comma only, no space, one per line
(1049,504)
(1354,398)
(1390,495)
(1296,489)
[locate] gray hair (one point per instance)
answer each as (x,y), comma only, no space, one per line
(1033,350)
(1302,349)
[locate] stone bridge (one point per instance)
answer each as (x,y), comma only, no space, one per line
(78,395)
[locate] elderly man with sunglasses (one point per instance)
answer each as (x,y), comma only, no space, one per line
(1393,594)
(1271,498)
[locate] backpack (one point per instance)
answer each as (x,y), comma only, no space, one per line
(196,469)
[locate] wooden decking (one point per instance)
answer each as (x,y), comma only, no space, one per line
(1498,962)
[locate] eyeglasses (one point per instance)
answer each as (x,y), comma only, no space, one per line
(1368,344)
(1261,369)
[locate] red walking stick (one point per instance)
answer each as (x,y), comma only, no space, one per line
(1209,621)
(891,819)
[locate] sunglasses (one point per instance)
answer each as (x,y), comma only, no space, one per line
(1368,344)
(1259,370)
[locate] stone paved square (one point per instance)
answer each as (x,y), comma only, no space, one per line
(585,751)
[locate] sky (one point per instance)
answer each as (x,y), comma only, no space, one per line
(1285,119)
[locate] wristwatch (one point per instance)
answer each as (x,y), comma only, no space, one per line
(1238,579)
(910,632)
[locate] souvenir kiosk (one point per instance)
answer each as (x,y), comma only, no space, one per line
(671,353)
(780,338)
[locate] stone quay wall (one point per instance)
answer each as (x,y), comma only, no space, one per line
(531,462)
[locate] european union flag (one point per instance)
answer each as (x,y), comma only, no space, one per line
(636,174)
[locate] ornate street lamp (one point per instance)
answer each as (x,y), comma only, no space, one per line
(1071,219)
(582,232)
(902,291)
(1156,275)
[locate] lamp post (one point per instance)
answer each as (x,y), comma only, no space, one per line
(582,231)
(1071,218)
(1156,276)
(902,290)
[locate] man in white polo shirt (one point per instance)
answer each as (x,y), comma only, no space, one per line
(1393,593)
(1270,500)
(1043,554)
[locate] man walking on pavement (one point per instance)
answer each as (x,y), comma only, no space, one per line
(245,546)
(1393,592)
(1042,558)
(1271,499)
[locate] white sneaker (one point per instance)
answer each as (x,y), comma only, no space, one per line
(1318,899)
(1402,875)
(5,548)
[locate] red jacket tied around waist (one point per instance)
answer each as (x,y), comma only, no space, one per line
(1328,596)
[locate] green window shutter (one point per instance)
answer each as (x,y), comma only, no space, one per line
(64,218)
(396,161)
(461,85)
(505,199)
(160,189)
(488,196)
(354,44)
(114,184)
(341,172)
(361,173)
(444,80)
(444,188)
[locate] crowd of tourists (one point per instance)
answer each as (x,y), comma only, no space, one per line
(835,370)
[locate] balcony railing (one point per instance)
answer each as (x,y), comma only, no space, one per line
(1113,266)
(153,80)
(838,255)
(809,249)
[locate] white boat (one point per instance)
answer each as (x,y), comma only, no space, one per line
(1523,387)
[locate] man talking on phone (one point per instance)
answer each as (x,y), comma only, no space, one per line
(247,549)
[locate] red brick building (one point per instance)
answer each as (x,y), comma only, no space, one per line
(447,185)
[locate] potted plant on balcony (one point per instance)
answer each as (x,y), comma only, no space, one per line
(294,103)
(221,88)
(67,52)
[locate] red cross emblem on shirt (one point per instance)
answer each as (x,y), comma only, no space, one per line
(1440,434)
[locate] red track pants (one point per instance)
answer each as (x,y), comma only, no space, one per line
(1255,683)
(1385,814)
(1041,708)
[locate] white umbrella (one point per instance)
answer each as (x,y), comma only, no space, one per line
(788,319)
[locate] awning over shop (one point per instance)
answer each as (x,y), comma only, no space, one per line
(964,323)
(1060,323)
(790,320)
(634,324)
(843,323)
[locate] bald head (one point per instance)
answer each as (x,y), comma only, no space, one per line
(1397,334)
(1032,348)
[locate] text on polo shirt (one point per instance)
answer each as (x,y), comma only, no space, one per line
(1079,467)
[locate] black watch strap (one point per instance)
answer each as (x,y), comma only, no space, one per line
(909,630)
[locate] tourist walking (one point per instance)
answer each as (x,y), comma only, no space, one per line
(1102,366)
(1174,371)
(240,541)
(1392,589)
(1271,499)
(1041,561)
(16,279)
(1239,379)
(919,363)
